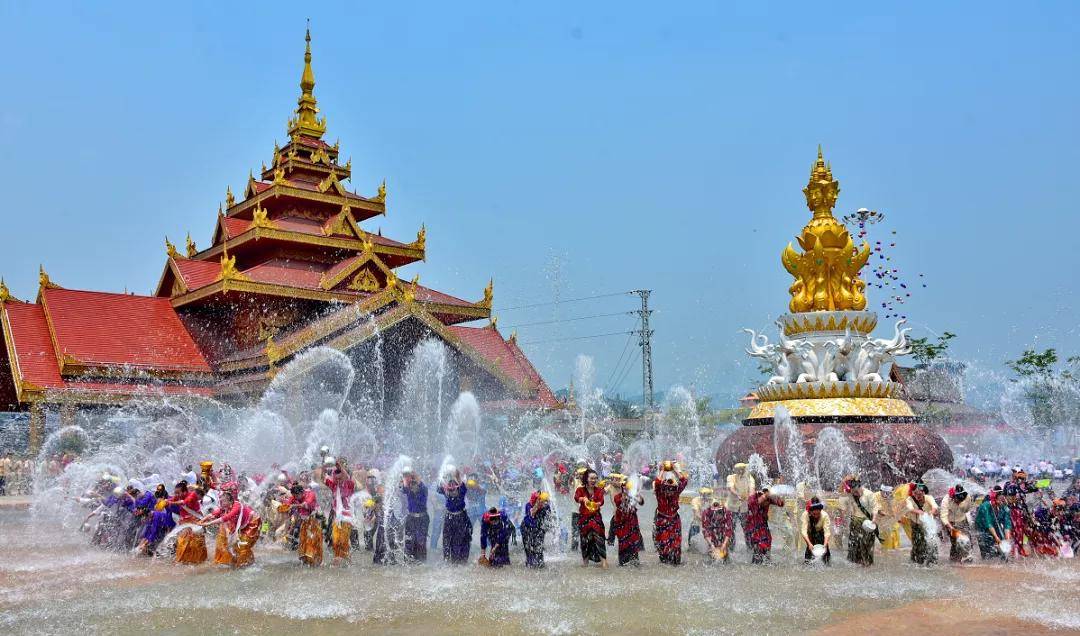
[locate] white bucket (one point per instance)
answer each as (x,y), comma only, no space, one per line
(818,551)
(1005,547)
(868,525)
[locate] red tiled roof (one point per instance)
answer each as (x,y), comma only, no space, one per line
(262,186)
(509,359)
(196,273)
(489,344)
(34,353)
(343,265)
(120,330)
(277,271)
(235,226)
(427,295)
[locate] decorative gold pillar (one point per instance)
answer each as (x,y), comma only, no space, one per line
(36,434)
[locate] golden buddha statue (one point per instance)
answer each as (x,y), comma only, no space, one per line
(827,271)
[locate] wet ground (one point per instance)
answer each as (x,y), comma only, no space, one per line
(52,582)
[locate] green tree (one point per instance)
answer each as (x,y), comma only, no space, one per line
(1047,389)
(926,352)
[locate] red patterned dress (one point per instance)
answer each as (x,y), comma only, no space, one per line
(667,526)
(625,528)
(591,524)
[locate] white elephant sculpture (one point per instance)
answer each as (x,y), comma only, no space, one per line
(772,354)
(866,360)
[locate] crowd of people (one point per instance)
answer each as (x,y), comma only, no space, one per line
(17,472)
(332,511)
(988,469)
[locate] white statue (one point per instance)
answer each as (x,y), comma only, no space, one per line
(865,362)
(772,354)
(818,361)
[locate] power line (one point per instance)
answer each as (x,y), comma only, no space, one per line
(551,322)
(632,360)
(599,335)
(568,300)
(615,369)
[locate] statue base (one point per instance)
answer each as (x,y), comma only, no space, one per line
(889,451)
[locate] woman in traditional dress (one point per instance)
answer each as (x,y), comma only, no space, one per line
(238,532)
(590,498)
(624,524)
(757,524)
(718,529)
(954,519)
(190,542)
(159,523)
(816,529)
(341,485)
(698,504)
(667,526)
(303,504)
(921,507)
(417,520)
(860,506)
(457,527)
(534,526)
(495,532)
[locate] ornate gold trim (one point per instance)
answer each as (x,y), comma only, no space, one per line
(858,322)
(827,390)
(835,407)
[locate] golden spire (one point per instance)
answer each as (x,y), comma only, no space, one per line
(822,190)
(43,278)
(380,196)
(191,249)
(489,294)
(230,200)
(827,271)
(5,293)
(307,121)
(170,249)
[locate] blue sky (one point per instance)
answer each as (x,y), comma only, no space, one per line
(585,147)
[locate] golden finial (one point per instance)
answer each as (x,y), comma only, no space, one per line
(191,249)
(43,279)
(513,337)
(306,121)
(279,176)
(391,280)
(259,217)
(380,196)
(348,165)
(421,237)
(5,293)
(228,267)
(489,294)
(230,200)
(827,271)
(494,322)
(367,243)
(264,166)
(273,351)
(170,249)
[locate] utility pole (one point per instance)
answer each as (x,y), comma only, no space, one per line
(645,342)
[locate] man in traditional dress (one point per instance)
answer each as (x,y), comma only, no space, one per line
(416,520)
(863,511)
(954,519)
(815,530)
(740,486)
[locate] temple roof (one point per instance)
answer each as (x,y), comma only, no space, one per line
(508,357)
(102,329)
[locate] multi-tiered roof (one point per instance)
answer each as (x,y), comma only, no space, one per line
(289,266)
